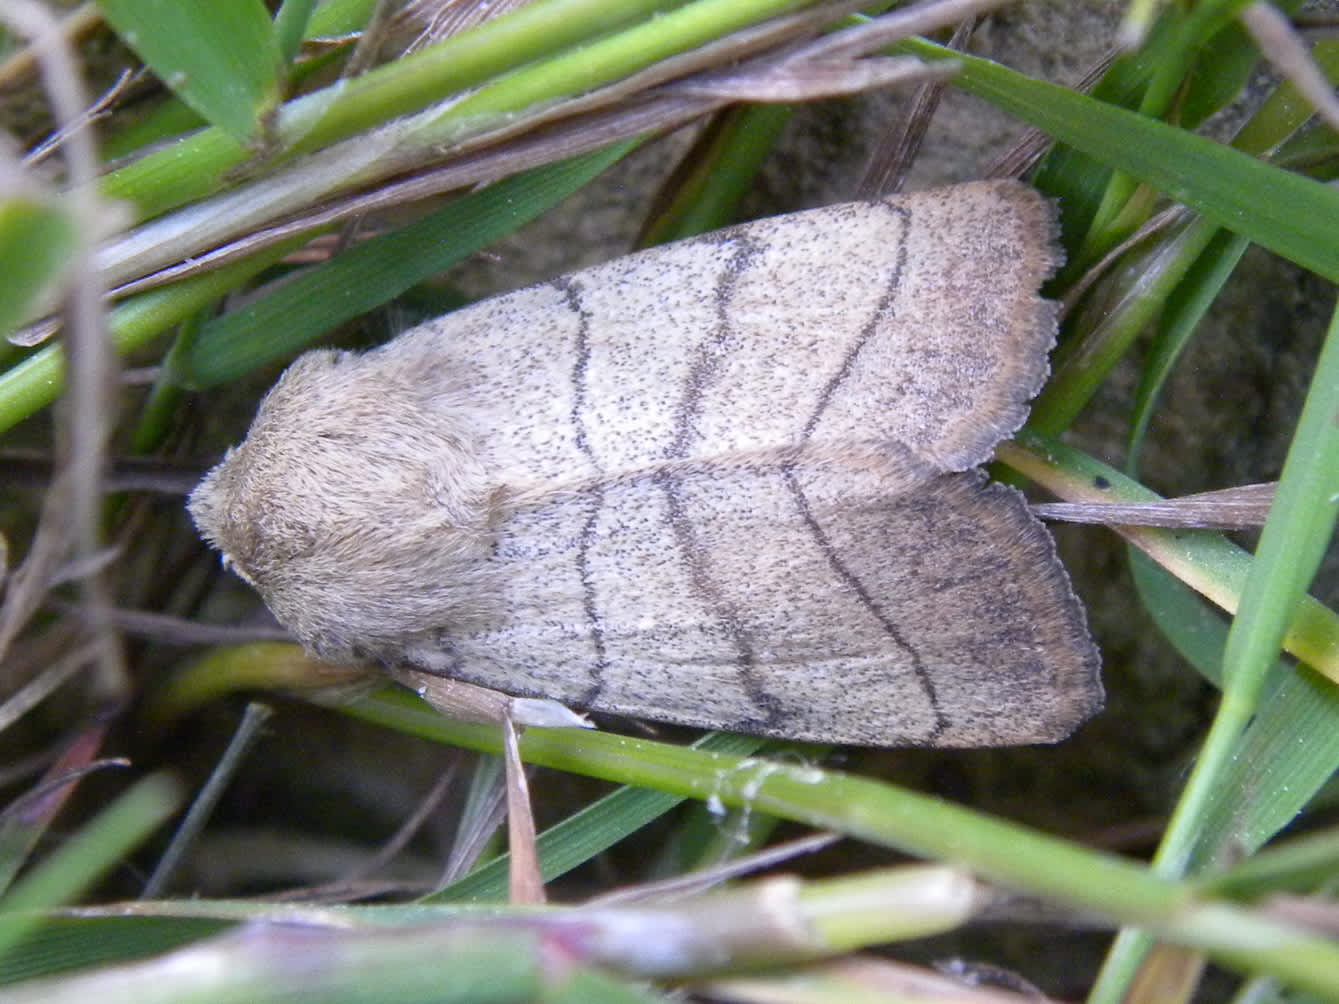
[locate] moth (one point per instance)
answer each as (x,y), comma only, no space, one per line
(729,482)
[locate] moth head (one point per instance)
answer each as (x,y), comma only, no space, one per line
(356,493)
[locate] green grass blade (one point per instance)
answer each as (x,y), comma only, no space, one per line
(1103,330)
(36,239)
(172,118)
(1247,784)
(290,26)
(872,810)
(1295,538)
(601,62)
(33,383)
(1193,626)
(219,56)
(1302,865)
(1293,740)
(199,165)
(1293,216)
(1288,752)
(1222,59)
(705,189)
(96,847)
(338,17)
(922,825)
(63,944)
(1297,533)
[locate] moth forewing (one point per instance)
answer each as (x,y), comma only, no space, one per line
(716,483)
(798,599)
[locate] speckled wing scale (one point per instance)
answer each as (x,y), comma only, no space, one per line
(728,482)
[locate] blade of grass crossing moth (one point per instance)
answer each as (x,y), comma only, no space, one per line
(884,814)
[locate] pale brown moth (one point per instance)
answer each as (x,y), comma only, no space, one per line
(729,482)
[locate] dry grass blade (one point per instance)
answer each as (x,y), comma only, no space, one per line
(97,110)
(700,881)
(171,630)
(814,80)
(525,883)
(885,172)
(70,518)
(1238,508)
(155,475)
(1169,974)
(400,839)
(373,37)
(21,65)
(45,683)
(1033,144)
(475,830)
(434,20)
(1163,221)
(1284,48)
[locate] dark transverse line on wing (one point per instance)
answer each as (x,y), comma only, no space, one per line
(704,372)
(877,320)
(571,292)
